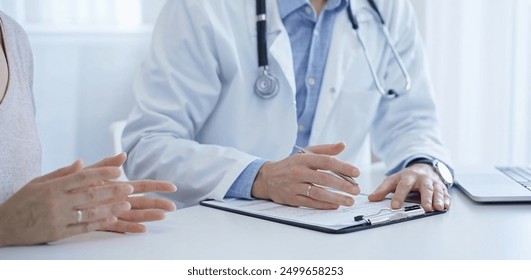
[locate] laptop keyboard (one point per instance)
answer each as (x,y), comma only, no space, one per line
(522,175)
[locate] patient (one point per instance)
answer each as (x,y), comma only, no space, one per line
(72,200)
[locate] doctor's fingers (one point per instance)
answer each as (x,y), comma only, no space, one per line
(309,195)
(439,196)
(86,177)
(327,149)
(426,194)
(403,188)
(327,179)
(321,194)
(386,187)
(304,201)
(433,195)
(326,162)
(447,198)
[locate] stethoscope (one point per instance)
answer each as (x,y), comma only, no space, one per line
(266,85)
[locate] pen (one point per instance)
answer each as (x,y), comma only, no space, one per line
(342,176)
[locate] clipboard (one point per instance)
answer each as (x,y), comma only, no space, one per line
(361,216)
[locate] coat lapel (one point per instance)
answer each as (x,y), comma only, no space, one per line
(342,55)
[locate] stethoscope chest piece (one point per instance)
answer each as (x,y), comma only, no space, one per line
(266,85)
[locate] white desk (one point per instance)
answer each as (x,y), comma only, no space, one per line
(468,231)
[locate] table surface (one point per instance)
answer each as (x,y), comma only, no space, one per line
(469,230)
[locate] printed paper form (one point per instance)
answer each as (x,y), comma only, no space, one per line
(333,219)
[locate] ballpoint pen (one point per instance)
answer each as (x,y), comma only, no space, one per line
(342,176)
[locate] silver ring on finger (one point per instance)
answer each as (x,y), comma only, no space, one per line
(309,189)
(79,216)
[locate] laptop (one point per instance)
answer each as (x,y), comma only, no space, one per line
(498,184)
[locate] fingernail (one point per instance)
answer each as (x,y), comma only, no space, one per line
(174,207)
(130,189)
(440,202)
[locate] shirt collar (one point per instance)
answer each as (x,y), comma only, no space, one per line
(286,7)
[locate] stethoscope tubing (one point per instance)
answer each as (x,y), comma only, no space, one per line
(391,93)
(261,25)
(266,85)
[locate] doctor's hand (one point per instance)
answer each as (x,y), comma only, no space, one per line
(417,177)
(296,180)
(143,208)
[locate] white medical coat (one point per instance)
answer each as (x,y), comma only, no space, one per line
(198,123)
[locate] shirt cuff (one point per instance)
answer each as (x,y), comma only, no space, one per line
(406,162)
(241,188)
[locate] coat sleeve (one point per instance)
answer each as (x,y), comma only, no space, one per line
(176,91)
(408,125)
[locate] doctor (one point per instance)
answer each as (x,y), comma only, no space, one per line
(230,87)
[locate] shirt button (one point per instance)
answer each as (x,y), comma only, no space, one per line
(301,127)
(311,81)
(316,33)
(308,10)
(332,90)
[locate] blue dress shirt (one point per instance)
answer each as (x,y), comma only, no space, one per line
(310,37)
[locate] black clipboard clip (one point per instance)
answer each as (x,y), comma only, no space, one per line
(388,215)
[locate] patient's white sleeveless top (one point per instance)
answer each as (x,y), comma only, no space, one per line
(20,150)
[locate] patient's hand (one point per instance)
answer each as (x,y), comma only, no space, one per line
(143,208)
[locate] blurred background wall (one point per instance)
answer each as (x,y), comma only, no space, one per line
(86,53)
(480,62)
